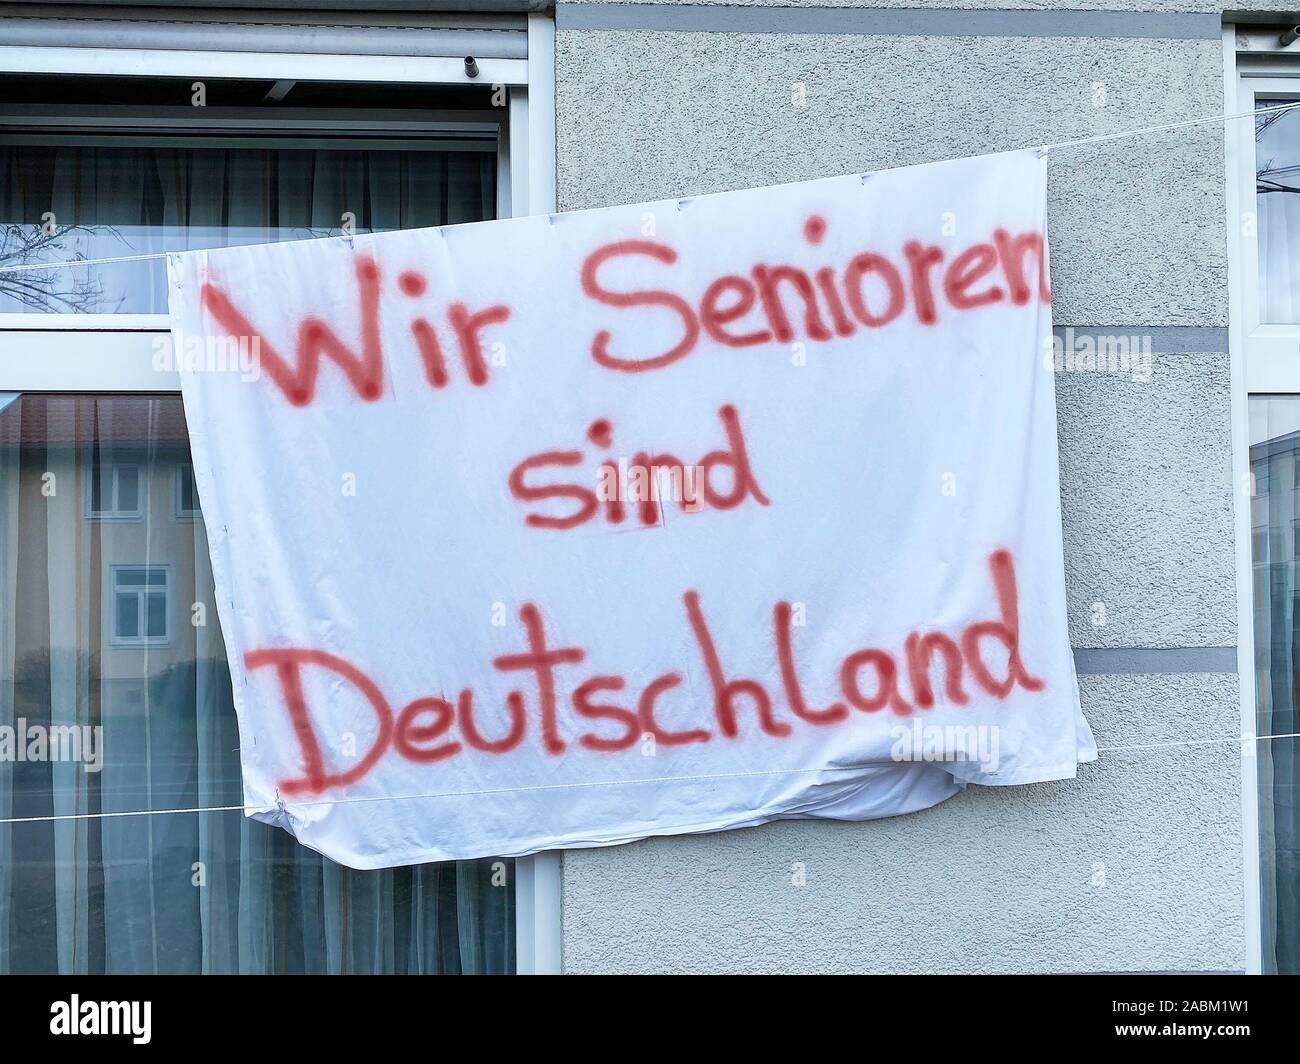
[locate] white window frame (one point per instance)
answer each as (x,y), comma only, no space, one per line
(119,356)
(1272,350)
(1265,360)
(109,516)
(263,66)
(141,641)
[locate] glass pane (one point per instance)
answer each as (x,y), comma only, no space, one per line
(66,201)
(155,613)
(128,616)
(173,892)
(128,489)
(1277,206)
(189,494)
(1275,462)
(101,487)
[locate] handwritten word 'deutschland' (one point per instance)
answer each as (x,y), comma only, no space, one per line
(432,729)
(869,291)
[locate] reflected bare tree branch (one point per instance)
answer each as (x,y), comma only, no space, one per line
(53,290)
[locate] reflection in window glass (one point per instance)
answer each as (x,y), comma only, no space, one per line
(101,646)
(187,495)
(71,201)
(1275,535)
(1277,207)
(127,486)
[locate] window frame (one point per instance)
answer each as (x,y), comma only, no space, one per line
(119,356)
(1272,350)
(264,66)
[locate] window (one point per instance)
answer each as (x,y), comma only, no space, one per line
(146,667)
(1265,160)
(185,496)
(72,197)
(1264,275)
(113,491)
(98,176)
(1277,210)
(141,614)
(299,146)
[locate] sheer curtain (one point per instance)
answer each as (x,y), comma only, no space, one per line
(132,198)
(1279,251)
(172,892)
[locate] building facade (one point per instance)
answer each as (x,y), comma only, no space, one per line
(1178,327)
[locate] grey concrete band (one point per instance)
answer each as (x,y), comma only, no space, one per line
(1163,339)
(723,18)
(1094,661)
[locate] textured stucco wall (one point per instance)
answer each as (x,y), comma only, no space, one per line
(1136,865)
(643,116)
(1147,506)
(1262,7)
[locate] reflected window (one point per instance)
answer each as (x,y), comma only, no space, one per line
(186,496)
(141,605)
(112,491)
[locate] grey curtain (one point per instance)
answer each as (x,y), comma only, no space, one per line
(59,203)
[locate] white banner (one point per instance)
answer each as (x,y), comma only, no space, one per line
(667,518)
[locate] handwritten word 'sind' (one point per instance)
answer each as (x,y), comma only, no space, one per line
(435,728)
(696,487)
(768,303)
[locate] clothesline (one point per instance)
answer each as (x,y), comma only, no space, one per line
(1043,149)
(584,783)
